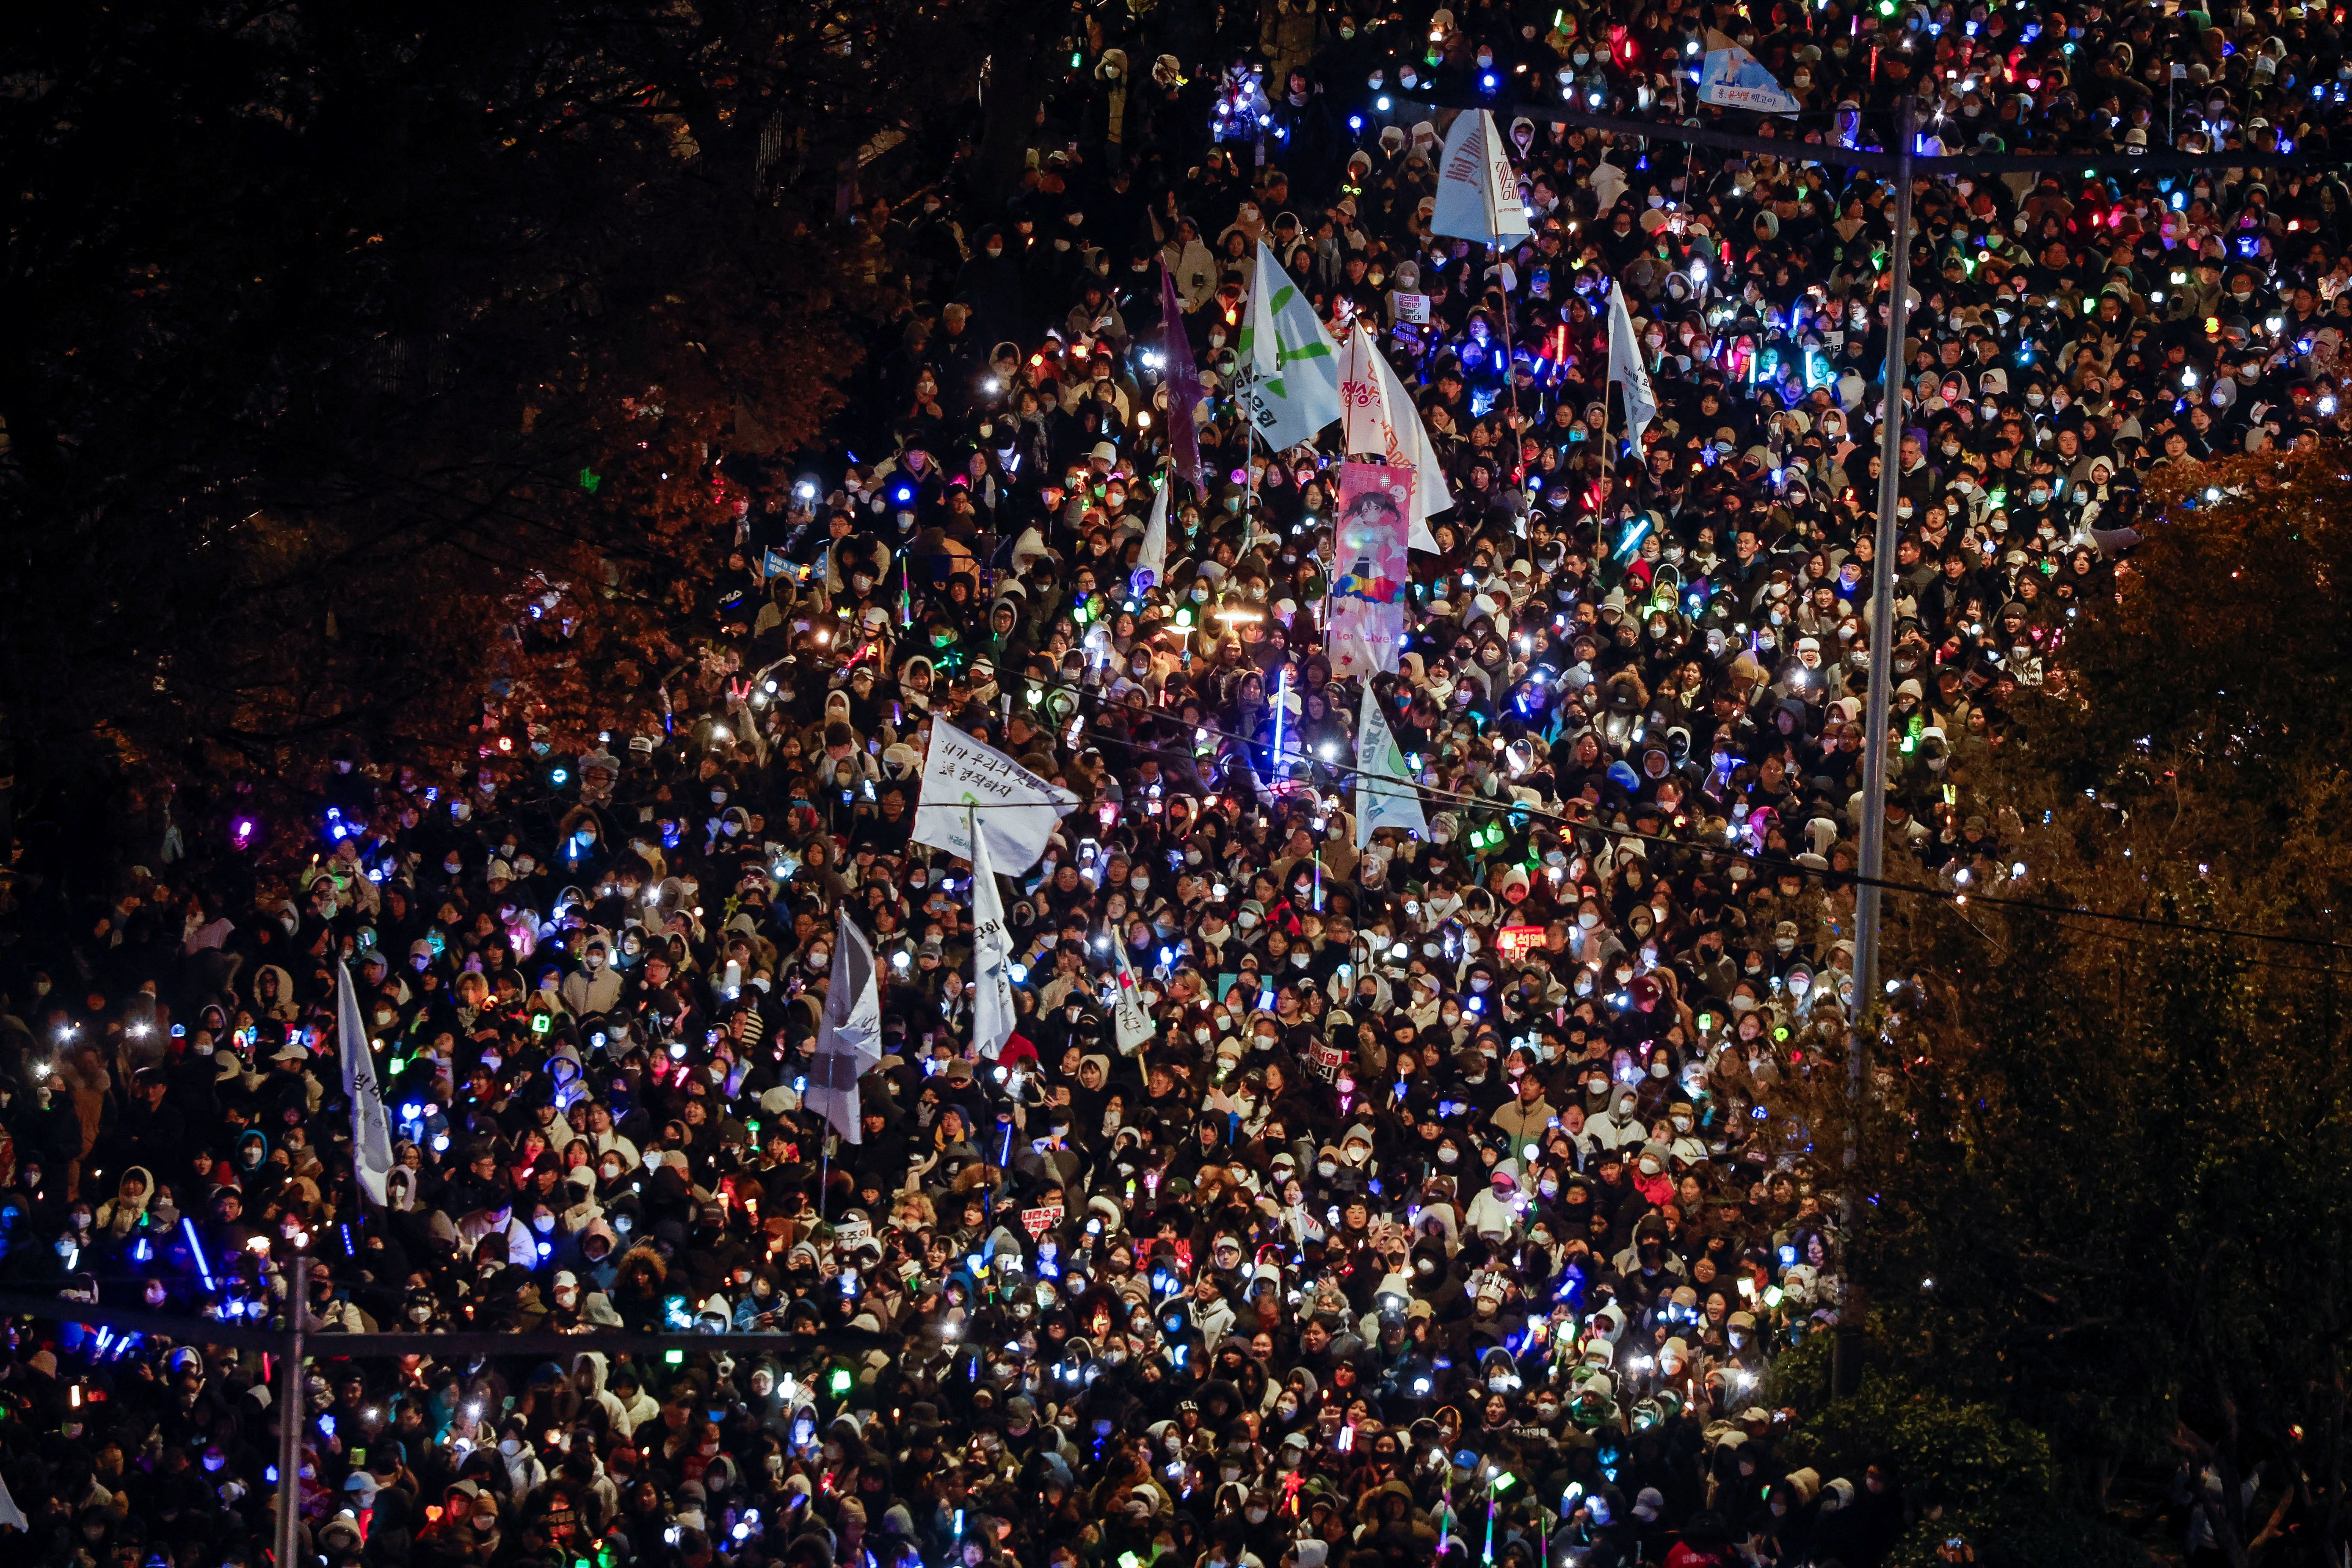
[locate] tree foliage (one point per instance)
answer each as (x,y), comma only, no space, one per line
(1966,1469)
(336,336)
(2102,1173)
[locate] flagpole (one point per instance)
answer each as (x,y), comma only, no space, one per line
(1249,473)
(1494,252)
(293,1411)
(1330,573)
(979,958)
(1609,385)
(1511,374)
(824,1131)
(1608,396)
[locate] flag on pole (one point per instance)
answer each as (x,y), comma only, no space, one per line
(1016,809)
(1477,192)
(1372,574)
(1384,796)
(1129,1018)
(994,1016)
(1626,369)
(849,1031)
(1731,77)
(1184,391)
(371,1129)
(1379,416)
(1151,560)
(1291,361)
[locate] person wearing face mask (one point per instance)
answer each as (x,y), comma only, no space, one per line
(1621,1124)
(595,987)
(989,285)
(1494,1211)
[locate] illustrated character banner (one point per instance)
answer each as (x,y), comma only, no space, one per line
(1368,595)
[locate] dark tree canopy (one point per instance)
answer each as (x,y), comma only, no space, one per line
(334,334)
(2101,1180)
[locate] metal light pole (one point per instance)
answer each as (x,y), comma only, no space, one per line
(1846,1344)
(1882,605)
(292,1398)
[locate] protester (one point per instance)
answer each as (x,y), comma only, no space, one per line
(1423,1197)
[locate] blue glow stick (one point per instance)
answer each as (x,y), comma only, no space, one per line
(188,1230)
(1281,690)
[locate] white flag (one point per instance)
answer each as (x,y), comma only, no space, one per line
(1016,809)
(994,1016)
(10,1514)
(371,1132)
(1291,361)
(1626,369)
(1731,77)
(1478,192)
(848,1032)
(1128,1016)
(1380,417)
(1383,796)
(1151,560)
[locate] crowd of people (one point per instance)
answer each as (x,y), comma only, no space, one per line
(1445,1215)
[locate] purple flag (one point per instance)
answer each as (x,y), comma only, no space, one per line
(1183,381)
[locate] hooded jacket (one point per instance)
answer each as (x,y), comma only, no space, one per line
(1493,1215)
(991,285)
(594,1365)
(1619,1124)
(122,1213)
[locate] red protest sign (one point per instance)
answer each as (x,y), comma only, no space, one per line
(1512,941)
